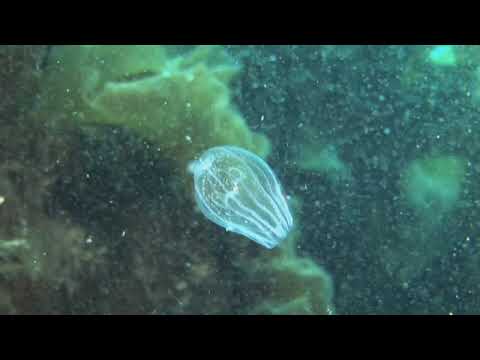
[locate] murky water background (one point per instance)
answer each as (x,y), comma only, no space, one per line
(376,148)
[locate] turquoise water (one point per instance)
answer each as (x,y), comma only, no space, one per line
(375,147)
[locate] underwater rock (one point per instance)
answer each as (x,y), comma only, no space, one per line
(50,257)
(443,55)
(43,258)
(37,251)
(433,185)
(324,160)
(180,101)
(432,188)
(289,284)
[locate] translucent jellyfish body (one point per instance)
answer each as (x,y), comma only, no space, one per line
(237,190)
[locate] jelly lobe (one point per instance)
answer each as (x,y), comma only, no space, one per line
(237,190)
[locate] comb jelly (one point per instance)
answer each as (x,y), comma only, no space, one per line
(237,190)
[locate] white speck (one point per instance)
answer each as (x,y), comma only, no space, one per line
(87,176)
(124,232)
(68,90)
(2,200)
(265,86)
(89,240)
(189,105)
(188,138)
(386,131)
(262,118)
